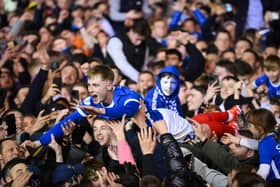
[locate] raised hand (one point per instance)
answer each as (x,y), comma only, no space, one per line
(160,127)
(68,128)
(40,122)
(229,138)
(52,91)
(147,140)
(212,89)
(118,128)
(197,127)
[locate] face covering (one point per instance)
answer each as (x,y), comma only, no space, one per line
(168,85)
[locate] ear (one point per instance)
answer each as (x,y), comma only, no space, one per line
(250,153)
(110,85)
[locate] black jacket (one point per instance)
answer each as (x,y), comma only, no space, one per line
(178,174)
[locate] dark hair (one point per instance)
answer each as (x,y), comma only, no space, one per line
(228,65)
(174,52)
(230,78)
(105,72)
(272,62)
(9,165)
(262,118)
(222,31)
(2,141)
(248,179)
(254,53)
(201,89)
(141,27)
(150,181)
(245,40)
(242,68)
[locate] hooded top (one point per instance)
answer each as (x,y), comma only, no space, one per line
(156,99)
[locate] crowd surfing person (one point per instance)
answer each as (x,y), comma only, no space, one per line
(139,93)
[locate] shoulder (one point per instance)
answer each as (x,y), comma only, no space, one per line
(268,141)
(125,92)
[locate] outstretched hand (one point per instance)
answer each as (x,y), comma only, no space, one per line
(147,140)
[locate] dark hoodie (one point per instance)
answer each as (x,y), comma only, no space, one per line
(156,99)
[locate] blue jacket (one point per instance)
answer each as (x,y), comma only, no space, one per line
(156,99)
(125,101)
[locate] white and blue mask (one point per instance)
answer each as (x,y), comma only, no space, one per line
(168,85)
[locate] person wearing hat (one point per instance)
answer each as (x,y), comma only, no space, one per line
(66,173)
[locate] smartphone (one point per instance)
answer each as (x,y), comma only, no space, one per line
(57,81)
(3,94)
(75,94)
(11,123)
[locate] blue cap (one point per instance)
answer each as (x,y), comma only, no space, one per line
(65,172)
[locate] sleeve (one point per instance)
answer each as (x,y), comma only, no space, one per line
(177,171)
(129,107)
(34,94)
(76,117)
(124,153)
(115,14)
(196,65)
(224,160)
(148,166)
(115,50)
(56,130)
(17,28)
(213,177)
(263,170)
(260,80)
(250,143)
(200,18)
(264,152)
(174,20)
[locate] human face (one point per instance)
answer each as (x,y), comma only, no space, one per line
(99,89)
(59,44)
(9,150)
(135,38)
(227,88)
(146,81)
(254,130)
(69,75)
(32,41)
(221,73)
(18,170)
(240,47)
(28,122)
(229,56)
(211,62)
(102,132)
(172,60)
(160,29)
(250,59)
(273,75)
(168,85)
(183,95)
(222,41)
(276,111)
(6,80)
(194,100)
(240,152)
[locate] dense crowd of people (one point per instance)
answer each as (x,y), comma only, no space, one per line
(143,93)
